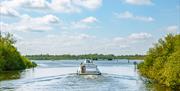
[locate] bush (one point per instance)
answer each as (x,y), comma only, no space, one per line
(10,58)
(162,63)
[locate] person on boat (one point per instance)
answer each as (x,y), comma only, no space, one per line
(83,68)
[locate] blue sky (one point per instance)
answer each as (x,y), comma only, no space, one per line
(119,27)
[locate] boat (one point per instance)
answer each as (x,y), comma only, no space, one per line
(88,68)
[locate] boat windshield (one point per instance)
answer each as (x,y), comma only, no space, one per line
(88,61)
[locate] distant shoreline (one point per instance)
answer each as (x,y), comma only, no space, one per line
(86,56)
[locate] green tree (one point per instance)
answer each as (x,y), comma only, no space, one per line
(162,63)
(10,58)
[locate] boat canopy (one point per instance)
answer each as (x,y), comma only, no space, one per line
(88,68)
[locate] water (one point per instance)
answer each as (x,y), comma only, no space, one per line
(61,76)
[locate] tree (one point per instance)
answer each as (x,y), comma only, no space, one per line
(10,58)
(162,63)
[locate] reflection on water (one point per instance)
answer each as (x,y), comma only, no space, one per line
(61,76)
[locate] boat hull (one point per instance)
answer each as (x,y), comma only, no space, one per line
(97,73)
(94,72)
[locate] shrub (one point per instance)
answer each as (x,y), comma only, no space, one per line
(162,63)
(10,58)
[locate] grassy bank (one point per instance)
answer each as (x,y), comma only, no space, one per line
(10,58)
(162,63)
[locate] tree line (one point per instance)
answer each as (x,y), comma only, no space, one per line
(85,56)
(10,58)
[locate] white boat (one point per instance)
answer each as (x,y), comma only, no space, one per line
(88,68)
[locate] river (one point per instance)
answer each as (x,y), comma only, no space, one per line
(61,75)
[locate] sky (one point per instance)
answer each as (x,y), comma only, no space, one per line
(119,27)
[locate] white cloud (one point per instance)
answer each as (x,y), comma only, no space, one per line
(13,3)
(129,15)
(37,4)
(28,23)
(6,11)
(25,3)
(172,29)
(140,36)
(125,14)
(132,38)
(83,24)
(80,43)
(74,5)
(65,6)
(5,27)
(89,20)
(47,19)
(90,4)
(85,36)
(56,44)
(11,7)
(139,2)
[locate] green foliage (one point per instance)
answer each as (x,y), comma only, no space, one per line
(87,56)
(28,63)
(10,58)
(162,63)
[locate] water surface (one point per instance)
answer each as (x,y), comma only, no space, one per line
(61,76)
